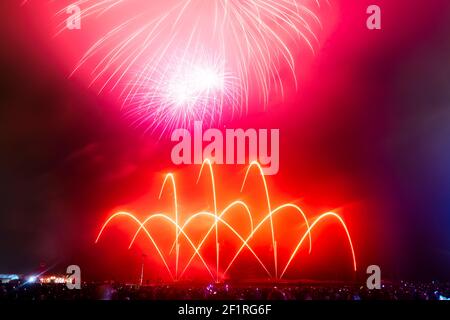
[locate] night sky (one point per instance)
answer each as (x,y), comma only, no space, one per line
(368,131)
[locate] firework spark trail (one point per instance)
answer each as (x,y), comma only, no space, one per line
(245,43)
(183,92)
(181,229)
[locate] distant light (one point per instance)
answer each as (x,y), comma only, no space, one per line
(6,278)
(53,280)
(31,279)
(9,276)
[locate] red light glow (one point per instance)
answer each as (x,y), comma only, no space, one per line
(181,229)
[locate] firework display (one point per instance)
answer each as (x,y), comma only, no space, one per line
(233,158)
(182,60)
(181,229)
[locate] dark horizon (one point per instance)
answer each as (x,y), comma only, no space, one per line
(367,132)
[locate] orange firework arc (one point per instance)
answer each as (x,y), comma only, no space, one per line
(218,217)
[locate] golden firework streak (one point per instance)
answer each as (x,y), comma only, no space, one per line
(217,217)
